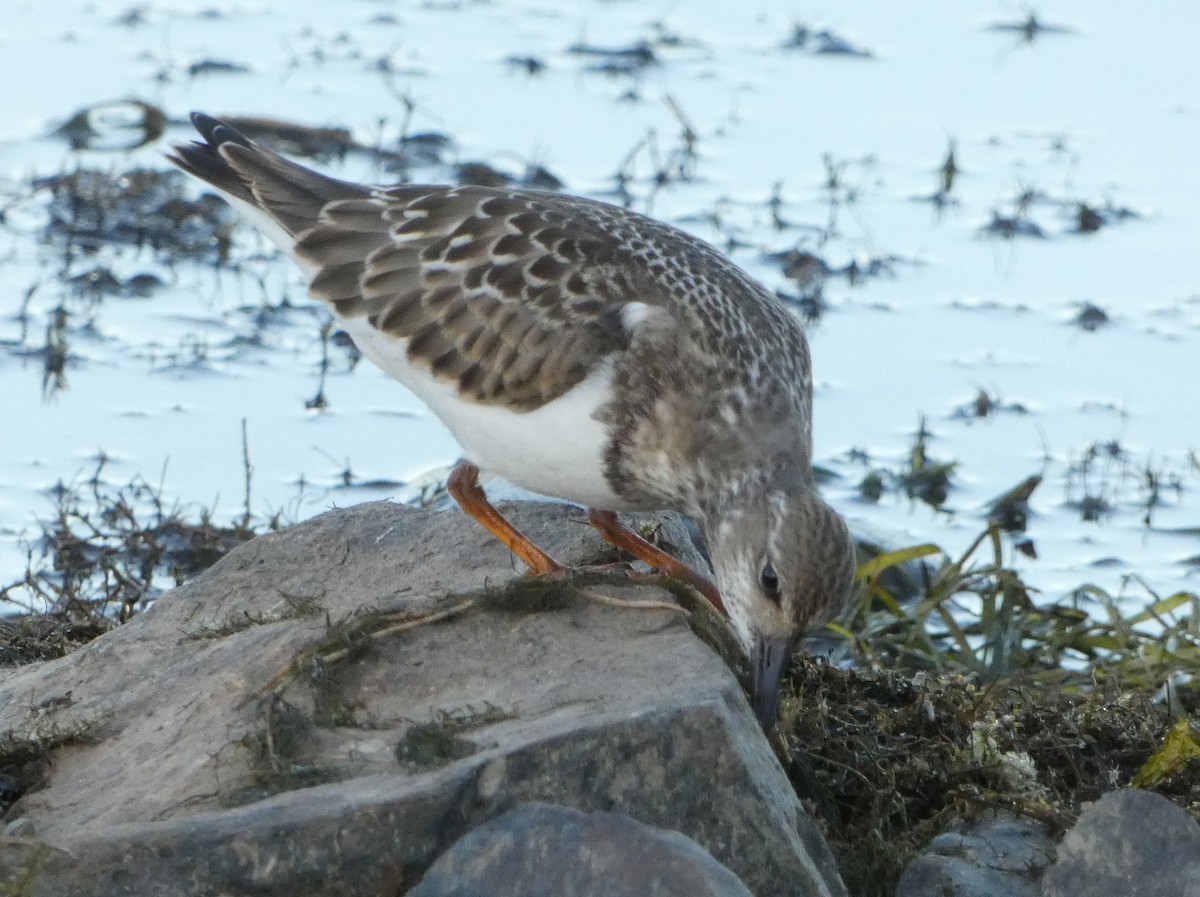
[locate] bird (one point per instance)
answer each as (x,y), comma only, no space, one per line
(584,352)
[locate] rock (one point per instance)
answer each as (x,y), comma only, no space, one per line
(329,707)
(19,828)
(1128,842)
(997,855)
(539,850)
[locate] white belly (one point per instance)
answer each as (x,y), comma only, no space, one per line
(557,450)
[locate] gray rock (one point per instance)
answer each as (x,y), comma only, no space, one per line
(997,855)
(328,707)
(1128,842)
(539,850)
(19,828)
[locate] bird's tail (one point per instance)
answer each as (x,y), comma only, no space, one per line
(262,181)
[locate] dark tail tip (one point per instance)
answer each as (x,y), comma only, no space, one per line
(216,132)
(203,159)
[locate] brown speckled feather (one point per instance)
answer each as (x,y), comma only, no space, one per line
(487,286)
(515,296)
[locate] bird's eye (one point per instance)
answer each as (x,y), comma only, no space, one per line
(770,581)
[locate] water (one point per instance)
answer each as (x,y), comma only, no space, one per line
(1103,113)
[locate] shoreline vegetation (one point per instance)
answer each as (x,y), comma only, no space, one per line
(945,691)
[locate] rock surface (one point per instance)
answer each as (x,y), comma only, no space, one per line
(1128,842)
(999,855)
(539,850)
(329,707)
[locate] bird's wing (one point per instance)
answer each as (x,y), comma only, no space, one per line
(514,296)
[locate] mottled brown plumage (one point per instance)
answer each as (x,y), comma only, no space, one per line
(582,351)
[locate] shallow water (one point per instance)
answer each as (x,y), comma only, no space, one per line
(1105,112)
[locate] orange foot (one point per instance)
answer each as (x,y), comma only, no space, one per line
(626,539)
(465,489)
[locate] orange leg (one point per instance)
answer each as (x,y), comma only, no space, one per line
(464,488)
(623,537)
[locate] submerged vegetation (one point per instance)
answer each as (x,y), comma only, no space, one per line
(108,551)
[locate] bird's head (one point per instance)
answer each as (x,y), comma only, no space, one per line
(784,562)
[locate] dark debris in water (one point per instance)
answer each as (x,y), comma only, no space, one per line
(205,67)
(426,148)
(668,165)
(1071,216)
(811,305)
(806,269)
(109,549)
(117,126)
(1105,478)
(634,58)
(926,480)
(295,139)
(631,59)
(1010,226)
(481,174)
(1091,318)
(948,171)
(538,177)
(872,486)
(141,208)
(1010,512)
(96,283)
(987,404)
(530,65)
(1029,29)
(811,273)
(1087,218)
(133,17)
(922,479)
(823,42)
(947,177)
(1093,508)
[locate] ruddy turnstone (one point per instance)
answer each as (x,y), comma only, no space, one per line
(584,352)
